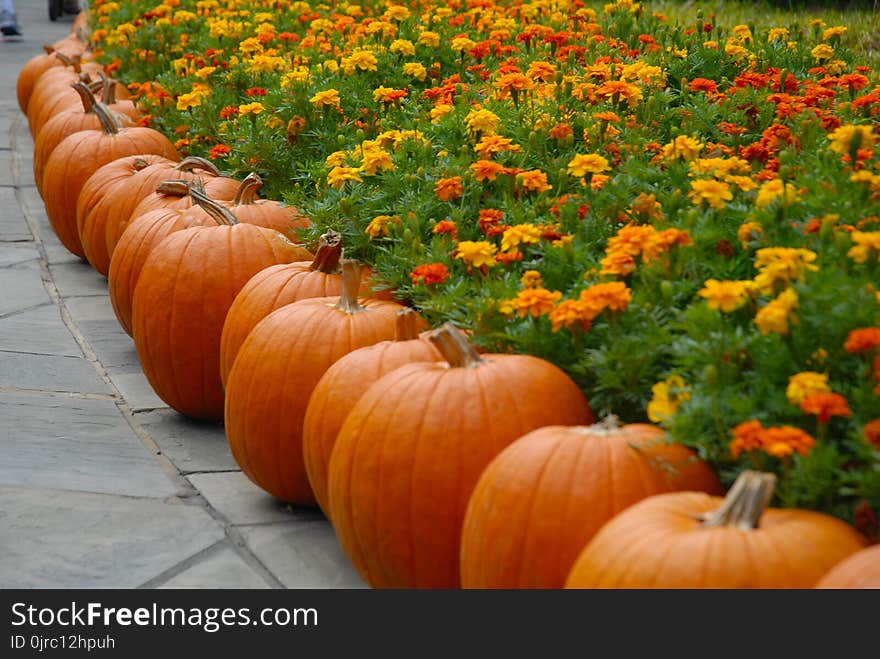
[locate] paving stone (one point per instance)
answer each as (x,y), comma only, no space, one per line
(16,253)
(241,502)
(55,539)
(191,445)
(38,331)
(13,228)
(137,392)
(302,554)
(6,168)
(19,370)
(115,348)
(66,443)
(22,288)
(77,279)
(218,569)
(9,114)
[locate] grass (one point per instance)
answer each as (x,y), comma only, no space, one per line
(861,18)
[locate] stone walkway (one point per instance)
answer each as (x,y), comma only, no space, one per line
(102,485)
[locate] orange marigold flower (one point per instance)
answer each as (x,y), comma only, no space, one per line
(429,274)
(618,264)
(825,405)
(489,145)
(746,437)
(534,180)
(872,433)
(535,302)
(448,189)
(570,313)
(780,441)
(487,170)
(614,295)
(863,339)
(445,227)
(703,85)
(509,257)
(531,279)
(218,151)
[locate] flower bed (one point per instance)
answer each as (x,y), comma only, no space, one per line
(682,217)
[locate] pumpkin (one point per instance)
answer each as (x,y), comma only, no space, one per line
(31,72)
(546,495)
(860,570)
(266,212)
(694,540)
(138,240)
(277,368)
(181,299)
(67,122)
(80,155)
(53,91)
(109,197)
(280,285)
(344,383)
(414,445)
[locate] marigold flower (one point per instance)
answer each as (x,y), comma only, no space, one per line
(477,254)
(448,189)
(570,313)
(612,295)
(402,47)
(339,175)
(776,314)
(825,405)
(218,151)
(773,189)
(445,227)
(822,53)
(778,266)
(726,296)
(867,246)
(666,398)
(520,234)
(388,94)
(487,170)
(863,339)
(806,383)
(251,108)
(429,274)
(482,121)
(190,100)
(329,98)
(684,147)
(591,163)
(490,145)
(415,69)
(430,39)
(535,180)
(439,111)
(748,232)
(535,302)
(531,279)
(850,137)
(713,192)
(746,437)
(647,207)
(871,432)
(620,90)
(781,441)
(376,159)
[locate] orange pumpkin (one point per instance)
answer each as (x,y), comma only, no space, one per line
(859,571)
(414,445)
(266,212)
(276,370)
(693,540)
(546,495)
(281,285)
(181,299)
(31,72)
(79,156)
(345,382)
(53,91)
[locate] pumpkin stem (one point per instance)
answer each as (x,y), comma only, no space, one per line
(329,252)
(408,325)
(139,163)
(175,188)
(610,425)
(191,163)
(218,213)
(247,191)
(745,502)
(455,348)
(68,61)
(85,95)
(48,49)
(109,121)
(351,284)
(108,89)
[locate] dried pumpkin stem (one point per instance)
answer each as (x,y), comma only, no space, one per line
(85,95)
(745,502)
(455,348)
(191,163)
(109,121)
(108,92)
(247,190)
(175,188)
(351,284)
(48,49)
(407,326)
(329,252)
(220,214)
(68,61)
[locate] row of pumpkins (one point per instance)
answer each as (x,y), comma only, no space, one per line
(439,466)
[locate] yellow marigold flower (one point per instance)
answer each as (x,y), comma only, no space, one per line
(204,72)
(396,13)
(329,98)
(378,226)
(403,47)
(591,163)
(777,34)
(726,296)
(266,64)
(251,108)
(776,315)
(822,52)
(535,180)
(535,302)
(417,70)
(736,51)
(850,137)
(376,160)
(190,100)
(778,266)
(684,147)
(744,183)
(742,32)
(520,234)
(866,246)
(298,76)
(666,396)
(361,58)
(250,46)
(336,159)
(482,121)
(461,44)
(864,176)
(339,175)
(477,254)
(647,207)
(430,39)
(806,383)
(531,279)
(439,111)
(832,32)
(748,232)
(774,189)
(713,192)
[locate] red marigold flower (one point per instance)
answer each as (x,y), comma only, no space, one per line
(218,151)
(429,274)
(703,85)
(746,437)
(872,433)
(862,339)
(255,91)
(445,227)
(825,405)
(228,112)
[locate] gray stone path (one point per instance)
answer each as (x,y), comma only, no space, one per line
(102,485)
